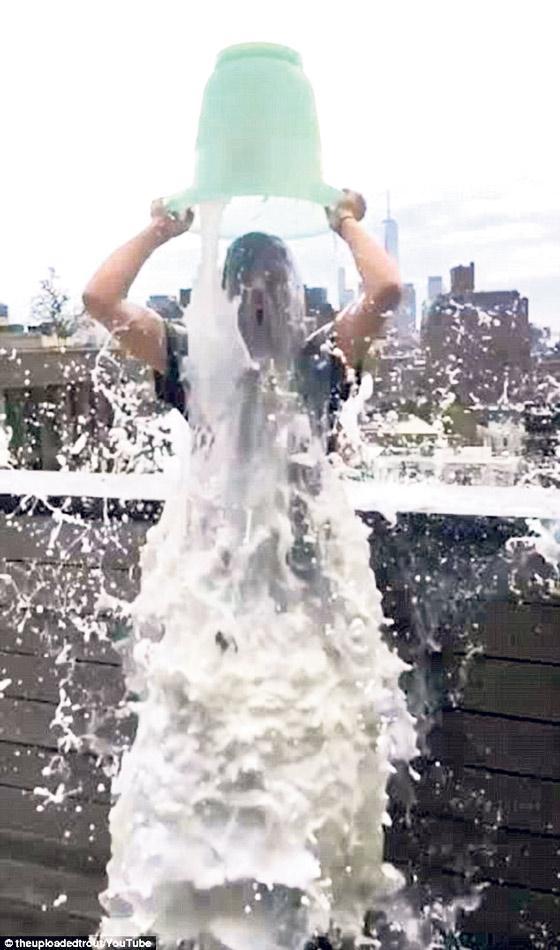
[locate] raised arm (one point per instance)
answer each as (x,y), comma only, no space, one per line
(362,322)
(140,330)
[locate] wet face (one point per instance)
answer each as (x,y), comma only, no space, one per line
(270,312)
(263,319)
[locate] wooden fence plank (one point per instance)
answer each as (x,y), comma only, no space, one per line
(36,677)
(79,827)
(514,689)
(28,722)
(27,767)
(116,545)
(524,803)
(526,748)
(31,677)
(521,631)
(519,858)
(47,632)
(66,586)
(37,885)
(505,913)
(23,920)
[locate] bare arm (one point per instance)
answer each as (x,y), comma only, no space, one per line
(140,330)
(362,322)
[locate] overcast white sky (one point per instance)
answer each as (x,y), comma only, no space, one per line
(453,106)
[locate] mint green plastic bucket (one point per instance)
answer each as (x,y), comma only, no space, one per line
(258,132)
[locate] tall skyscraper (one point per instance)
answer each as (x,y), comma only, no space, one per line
(404,321)
(345,295)
(341,286)
(408,304)
(391,232)
(435,287)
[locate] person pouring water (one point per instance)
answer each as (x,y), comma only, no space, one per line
(259,271)
(258,616)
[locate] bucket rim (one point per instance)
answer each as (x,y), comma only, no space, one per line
(320,193)
(263,50)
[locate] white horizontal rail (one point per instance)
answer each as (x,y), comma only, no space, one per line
(368,495)
(485,501)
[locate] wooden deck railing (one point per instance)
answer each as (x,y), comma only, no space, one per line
(487,805)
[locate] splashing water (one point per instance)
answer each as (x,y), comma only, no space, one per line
(251,804)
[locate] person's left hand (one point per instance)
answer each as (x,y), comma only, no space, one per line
(351,205)
(167,224)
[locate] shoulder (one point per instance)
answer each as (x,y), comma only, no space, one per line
(322,369)
(177,338)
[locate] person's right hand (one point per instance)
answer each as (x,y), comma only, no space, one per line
(166,224)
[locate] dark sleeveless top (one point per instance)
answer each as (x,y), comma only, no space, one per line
(321,377)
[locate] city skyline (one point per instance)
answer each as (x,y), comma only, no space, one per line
(177,265)
(334,285)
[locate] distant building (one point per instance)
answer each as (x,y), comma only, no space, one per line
(541,340)
(477,343)
(317,307)
(401,432)
(341,286)
(542,428)
(404,320)
(462,279)
(3,311)
(20,337)
(315,298)
(167,307)
(397,377)
(347,298)
(345,295)
(391,233)
(503,430)
(547,366)
(435,288)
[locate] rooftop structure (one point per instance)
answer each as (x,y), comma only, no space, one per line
(477,342)
(435,288)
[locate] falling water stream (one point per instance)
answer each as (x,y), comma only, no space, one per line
(249,811)
(250,807)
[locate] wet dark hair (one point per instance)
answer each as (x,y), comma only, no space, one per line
(252,255)
(271,320)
